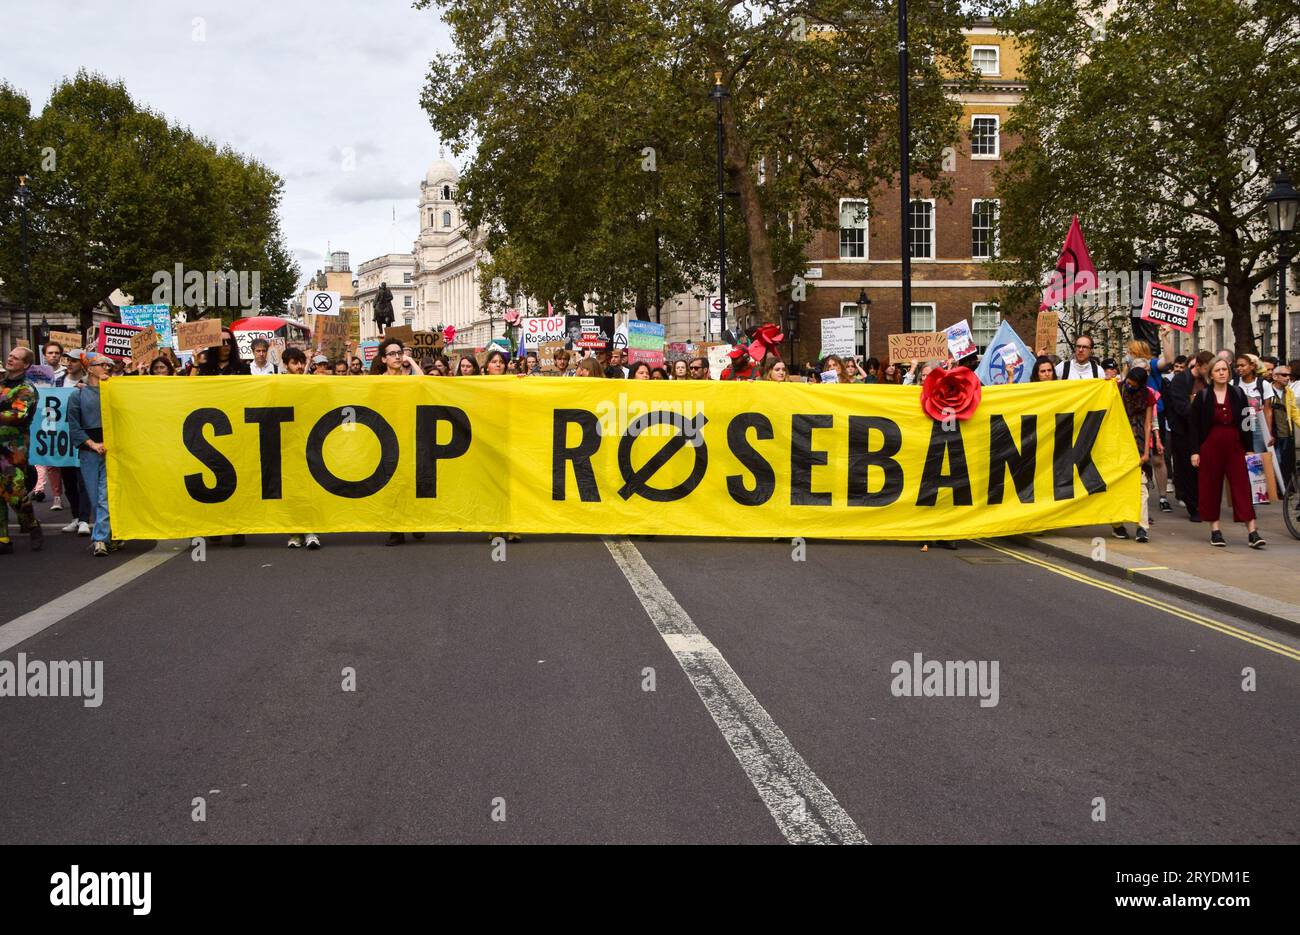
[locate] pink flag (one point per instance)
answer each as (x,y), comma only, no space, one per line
(1074,271)
(549,310)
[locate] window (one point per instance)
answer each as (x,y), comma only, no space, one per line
(406,301)
(853,230)
(446,219)
(986,59)
(1218,333)
(983,228)
(923,230)
(861,335)
(984,320)
(431,215)
(923,317)
(446,193)
(984,139)
(406,278)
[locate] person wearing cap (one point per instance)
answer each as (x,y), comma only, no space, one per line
(1081,366)
(86,424)
(1110,369)
(321,366)
(17,405)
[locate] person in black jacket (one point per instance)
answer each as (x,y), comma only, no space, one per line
(1221,424)
(1178,409)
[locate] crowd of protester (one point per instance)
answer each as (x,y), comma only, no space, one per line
(1193,418)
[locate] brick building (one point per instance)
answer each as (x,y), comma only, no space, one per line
(951,242)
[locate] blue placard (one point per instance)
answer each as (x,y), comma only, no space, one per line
(159,316)
(50,443)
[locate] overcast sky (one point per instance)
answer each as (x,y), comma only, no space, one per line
(299,85)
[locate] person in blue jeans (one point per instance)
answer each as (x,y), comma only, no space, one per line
(87,427)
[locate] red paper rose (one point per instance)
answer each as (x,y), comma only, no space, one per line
(766,338)
(512,316)
(951,393)
(449,334)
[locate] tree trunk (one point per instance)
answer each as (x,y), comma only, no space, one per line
(1243,332)
(642,304)
(761,274)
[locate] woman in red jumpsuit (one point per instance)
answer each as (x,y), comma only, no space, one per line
(1221,426)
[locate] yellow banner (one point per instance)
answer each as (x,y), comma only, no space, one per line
(288,454)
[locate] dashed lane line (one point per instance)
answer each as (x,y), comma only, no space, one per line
(803,808)
(65,605)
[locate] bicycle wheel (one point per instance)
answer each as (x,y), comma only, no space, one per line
(1290,506)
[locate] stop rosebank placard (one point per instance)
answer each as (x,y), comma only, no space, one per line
(538,331)
(1165,305)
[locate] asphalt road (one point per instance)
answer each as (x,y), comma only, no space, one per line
(516,689)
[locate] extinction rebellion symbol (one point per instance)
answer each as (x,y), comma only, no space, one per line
(688,433)
(323,302)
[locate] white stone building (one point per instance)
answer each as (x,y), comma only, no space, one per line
(398,271)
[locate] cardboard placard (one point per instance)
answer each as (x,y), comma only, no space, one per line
(144,347)
(546,355)
(920,345)
(402,333)
(22,342)
(196,335)
(1164,305)
(1045,334)
(331,337)
(69,339)
(425,342)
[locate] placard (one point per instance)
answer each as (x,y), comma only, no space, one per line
(839,337)
(115,339)
(244,340)
(719,360)
(157,316)
(425,342)
(1165,305)
(196,335)
(588,332)
(546,355)
(50,441)
(323,303)
(961,343)
(1045,334)
(645,342)
(331,337)
(918,345)
(534,332)
(403,333)
(69,339)
(144,347)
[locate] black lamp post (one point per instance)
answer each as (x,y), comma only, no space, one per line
(864,314)
(720,94)
(23,194)
(1282,203)
(905,169)
(1144,330)
(792,327)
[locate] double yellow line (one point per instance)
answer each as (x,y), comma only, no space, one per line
(1281,649)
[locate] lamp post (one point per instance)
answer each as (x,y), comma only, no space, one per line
(23,194)
(792,327)
(720,94)
(905,169)
(864,315)
(1281,204)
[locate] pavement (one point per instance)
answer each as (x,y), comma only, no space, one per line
(634,690)
(1257,584)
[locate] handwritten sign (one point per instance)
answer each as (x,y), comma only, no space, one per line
(196,335)
(539,331)
(144,347)
(1046,332)
(920,345)
(402,333)
(51,435)
(69,339)
(424,343)
(331,336)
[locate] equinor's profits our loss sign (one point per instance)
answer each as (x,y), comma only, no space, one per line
(275,454)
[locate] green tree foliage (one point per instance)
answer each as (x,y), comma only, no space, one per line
(559,98)
(117,194)
(1160,124)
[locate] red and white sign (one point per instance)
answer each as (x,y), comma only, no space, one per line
(115,339)
(539,331)
(1165,305)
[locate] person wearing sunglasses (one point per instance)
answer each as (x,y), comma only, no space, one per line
(698,369)
(223,359)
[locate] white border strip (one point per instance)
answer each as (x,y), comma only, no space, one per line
(803,808)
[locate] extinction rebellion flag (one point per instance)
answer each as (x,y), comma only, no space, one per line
(1074,271)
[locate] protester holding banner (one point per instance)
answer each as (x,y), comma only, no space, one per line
(162,367)
(295,362)
(658,373)
(680,370)
(640,371)
(322,366)
(1081,366)
(892,375)
(1183,388)
(223,359)
(354,367)
(1139,405)
(87,424)
(590,367)
(774,369)
(54,356)
(1220,438)
(495,364)
(17,405)
(391,360)
(698,369)
(467,367)
(1043,371)
(262,365)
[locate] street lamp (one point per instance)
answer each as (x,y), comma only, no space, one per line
(1282,203)
(864,313)
(905,170)
(792,326)
(720,94)
(23,194)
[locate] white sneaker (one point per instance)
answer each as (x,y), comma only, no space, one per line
(72,526)
(83,529)
(312,541)
(56,505)
(295,542)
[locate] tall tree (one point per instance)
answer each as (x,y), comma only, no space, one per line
(1160,123)
(560,98)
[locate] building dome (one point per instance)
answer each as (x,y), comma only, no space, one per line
(440,171)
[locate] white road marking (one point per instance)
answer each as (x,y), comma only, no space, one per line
(29,624)
(803,808)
